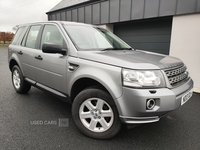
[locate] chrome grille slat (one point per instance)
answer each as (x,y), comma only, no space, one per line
(177,75)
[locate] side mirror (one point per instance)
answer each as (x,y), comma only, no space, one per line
(53,49)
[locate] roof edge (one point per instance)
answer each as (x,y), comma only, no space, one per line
(76,5)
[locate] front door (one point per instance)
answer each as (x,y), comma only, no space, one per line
(51,71)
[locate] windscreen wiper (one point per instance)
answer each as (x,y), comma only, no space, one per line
(127,49)
(113,48)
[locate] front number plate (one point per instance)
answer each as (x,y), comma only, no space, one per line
(186,97)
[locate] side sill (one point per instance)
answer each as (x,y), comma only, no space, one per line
(32,82)
(51,90)
(60,95)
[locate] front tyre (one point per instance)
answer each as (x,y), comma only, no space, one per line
(20,85)
(95,114)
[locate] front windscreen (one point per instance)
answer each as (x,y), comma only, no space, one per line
(94,38)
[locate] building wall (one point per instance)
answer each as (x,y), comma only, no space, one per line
(113,11)
(107,26)
(185,44)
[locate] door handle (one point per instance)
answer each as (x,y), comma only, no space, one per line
(39,57)
(20,52)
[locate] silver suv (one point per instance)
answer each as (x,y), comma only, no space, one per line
(106,81)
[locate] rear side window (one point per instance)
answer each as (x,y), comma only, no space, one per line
(32,36)
(17,35)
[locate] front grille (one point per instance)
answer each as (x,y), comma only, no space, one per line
(177,75)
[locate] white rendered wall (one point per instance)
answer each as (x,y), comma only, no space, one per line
(185,44)
(107,26)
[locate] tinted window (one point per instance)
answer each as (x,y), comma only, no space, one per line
(17,35)
(32,37)
(51,34)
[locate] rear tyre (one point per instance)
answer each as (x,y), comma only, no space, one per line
(95,114)
(20,85)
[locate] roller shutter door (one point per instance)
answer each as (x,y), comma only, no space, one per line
(151,34)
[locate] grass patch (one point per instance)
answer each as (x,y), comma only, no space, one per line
(6,43)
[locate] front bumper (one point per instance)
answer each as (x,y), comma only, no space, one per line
(132,104)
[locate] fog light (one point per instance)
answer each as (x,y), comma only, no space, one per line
(151,104)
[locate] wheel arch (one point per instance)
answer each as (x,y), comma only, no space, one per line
(12,63)
(108,79)
(15,61)
(83,83)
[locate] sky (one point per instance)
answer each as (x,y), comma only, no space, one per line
(15,12)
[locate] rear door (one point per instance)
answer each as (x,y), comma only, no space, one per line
(28,51)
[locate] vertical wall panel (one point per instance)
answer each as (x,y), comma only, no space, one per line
(167,7)
(137,9)
(125,10)
(53,17)
(81,14)
(74,15)
(114,11)
(58,16)
(151,8)
(198,6)
(104,12)
(49,17)
(69,15)
(63,18)
(96,13)
(186,6)
(88,14)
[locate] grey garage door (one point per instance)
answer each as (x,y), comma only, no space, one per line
(152,34)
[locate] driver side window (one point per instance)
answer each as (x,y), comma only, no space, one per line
(51,34)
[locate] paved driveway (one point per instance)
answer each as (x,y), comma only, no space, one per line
(31,121)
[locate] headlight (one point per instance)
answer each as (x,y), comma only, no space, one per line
(135,78)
